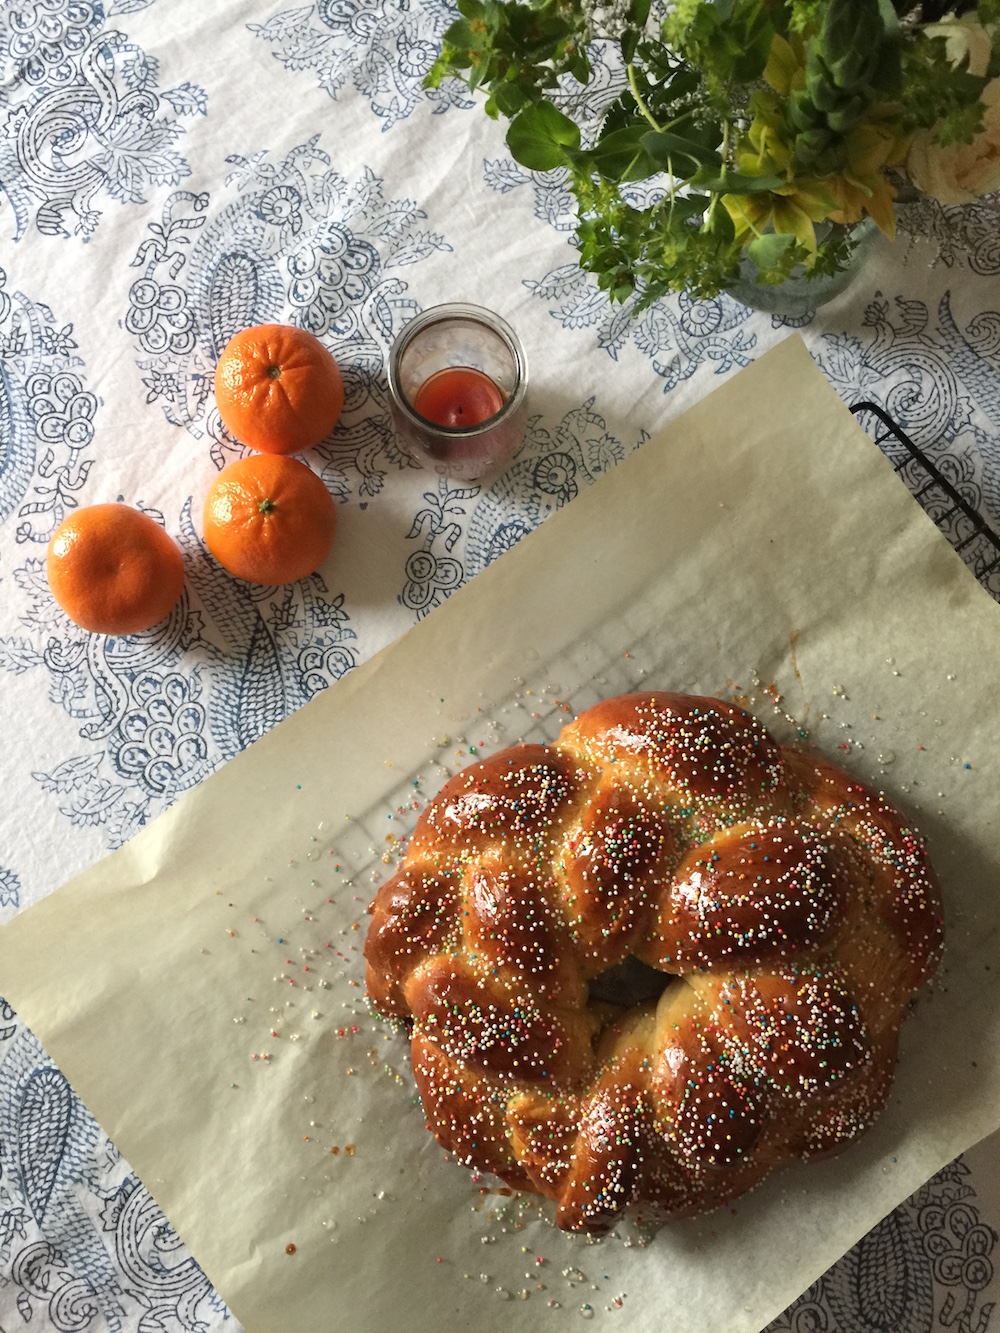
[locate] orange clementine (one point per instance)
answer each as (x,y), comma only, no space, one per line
(113,569)
(269,519)
(278,389)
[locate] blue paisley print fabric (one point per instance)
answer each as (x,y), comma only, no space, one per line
(85,116)
(172,172)
(382,49)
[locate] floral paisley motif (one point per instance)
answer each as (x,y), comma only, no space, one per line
(158,315)
(46,419)
(555,474)
(84,116)
(281,206)
(83,1244)
(429,580)
(885,1284)
(10,885)
(42,35)
(549,471)
(383,47)
(159,744)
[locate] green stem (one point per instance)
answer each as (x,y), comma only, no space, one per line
(679,120)
(633,83)
(724,154)
(672,190)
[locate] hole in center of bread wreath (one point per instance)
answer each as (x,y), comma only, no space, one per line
(628,983)
(648,962)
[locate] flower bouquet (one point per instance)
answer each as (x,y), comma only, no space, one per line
(737,133)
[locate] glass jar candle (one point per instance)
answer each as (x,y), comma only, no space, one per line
(458,381)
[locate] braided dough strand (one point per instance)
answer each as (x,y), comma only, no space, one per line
(791,912)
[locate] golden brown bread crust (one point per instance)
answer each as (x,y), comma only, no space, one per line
(794,910)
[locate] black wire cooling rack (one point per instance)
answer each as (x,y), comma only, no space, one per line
(959,520)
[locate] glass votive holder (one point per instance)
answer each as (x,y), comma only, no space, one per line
(458,381)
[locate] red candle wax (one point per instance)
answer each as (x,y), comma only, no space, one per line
(458,396)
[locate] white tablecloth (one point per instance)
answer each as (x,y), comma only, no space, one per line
(172,172)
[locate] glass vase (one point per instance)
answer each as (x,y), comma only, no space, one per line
(799,294)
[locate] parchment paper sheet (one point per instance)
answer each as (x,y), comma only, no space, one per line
(761,537)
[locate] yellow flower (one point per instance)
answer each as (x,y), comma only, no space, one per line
(854,199)
(960,173)
(785,71)
(792,208)
(862,188)
(766,153)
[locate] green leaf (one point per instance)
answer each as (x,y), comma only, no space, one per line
(707,135)
(847,116)
(960,126)
(508,98)
(477,74)
(580,67)
(853,32)
(620,156)
(768,250)
(754,48)
(681,82)
(539,136)
(734,182)
(536,35)
(887,78)
(663,146)
(467,35)
(439,70)
(719,224)
(684,206)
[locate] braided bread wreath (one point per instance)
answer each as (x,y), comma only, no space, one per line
(791,913)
